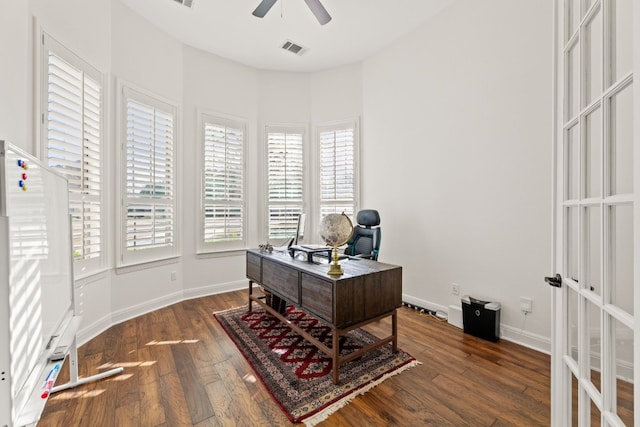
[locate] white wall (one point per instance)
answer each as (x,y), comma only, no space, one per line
(147,59)
(15,75)
(336,94)
(455,127)
(216,86)
(456,156)
(84,27)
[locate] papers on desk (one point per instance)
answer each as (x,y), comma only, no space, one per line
(316,247)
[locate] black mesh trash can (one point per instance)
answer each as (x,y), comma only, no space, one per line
(481,318)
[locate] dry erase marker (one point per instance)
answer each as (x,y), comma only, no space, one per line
(47,389)
(47,379)
(51,372)
(48,382)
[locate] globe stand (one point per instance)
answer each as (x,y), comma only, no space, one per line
(335,268)
(336,230)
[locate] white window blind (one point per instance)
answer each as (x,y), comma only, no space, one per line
(72,121)
(285,180)
(223,183)
(149,202)
(337,171)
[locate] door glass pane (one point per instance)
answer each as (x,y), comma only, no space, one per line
(573,16)
(592,247)
(573,243)
(623,357)
(621,256)
(594,330)
(573,163)
(593,60)
(595,415)
(572,311)
(622,39)
(593,153)
(621,142)
(574,401)
(573,83)
(587,6)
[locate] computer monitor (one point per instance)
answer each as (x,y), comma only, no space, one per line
(299,229)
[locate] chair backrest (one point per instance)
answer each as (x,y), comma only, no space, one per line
(365,241)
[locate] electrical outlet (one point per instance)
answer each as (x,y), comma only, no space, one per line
(526,304)
(455,289)
(173,276)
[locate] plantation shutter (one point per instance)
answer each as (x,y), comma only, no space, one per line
(73,125)
(149,177)
(223,186)
(337,172)
(285,181)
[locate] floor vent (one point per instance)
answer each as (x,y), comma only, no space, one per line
(293,48)
(188,3)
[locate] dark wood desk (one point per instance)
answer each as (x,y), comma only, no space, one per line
(367,291)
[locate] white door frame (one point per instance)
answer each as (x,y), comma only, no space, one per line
(561,400)
(636,218)
(557,382)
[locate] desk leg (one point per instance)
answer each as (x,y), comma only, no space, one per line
(336,356)
(394,330)
(250,293)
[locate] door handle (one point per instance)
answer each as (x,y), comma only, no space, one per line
(554,281)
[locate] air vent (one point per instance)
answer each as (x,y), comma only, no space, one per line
(188,3)
(293,48)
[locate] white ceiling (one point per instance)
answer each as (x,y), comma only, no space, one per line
(227,28)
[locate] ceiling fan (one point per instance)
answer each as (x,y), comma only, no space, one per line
(316,7)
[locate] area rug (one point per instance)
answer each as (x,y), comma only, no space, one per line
(297,374)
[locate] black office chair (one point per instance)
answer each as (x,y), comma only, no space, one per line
(365,242)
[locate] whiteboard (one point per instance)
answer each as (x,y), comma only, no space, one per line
(36,285)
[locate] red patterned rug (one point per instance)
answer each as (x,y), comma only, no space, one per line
(297,374)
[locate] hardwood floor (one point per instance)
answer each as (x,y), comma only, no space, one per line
(181,369)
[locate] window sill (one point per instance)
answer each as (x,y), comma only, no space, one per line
(221,253)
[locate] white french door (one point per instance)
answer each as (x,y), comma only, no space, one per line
(595,337)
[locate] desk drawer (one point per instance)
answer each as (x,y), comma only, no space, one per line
(317,295)
(281,279)
(254,267)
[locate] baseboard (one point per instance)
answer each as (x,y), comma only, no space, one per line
(146,307)
(509,333)
(526,339)
(86,334)
(423,303)
(96,328)
(214,289)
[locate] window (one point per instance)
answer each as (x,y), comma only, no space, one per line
(285,180)
(149,179)
(337,165)
(72,117)
(223,212)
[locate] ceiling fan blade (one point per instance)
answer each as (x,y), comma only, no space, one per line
(263,8)
(319,11)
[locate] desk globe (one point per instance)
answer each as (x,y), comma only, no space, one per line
(336,230)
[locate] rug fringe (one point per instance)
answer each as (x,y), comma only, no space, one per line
(325,413)
(226,310)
